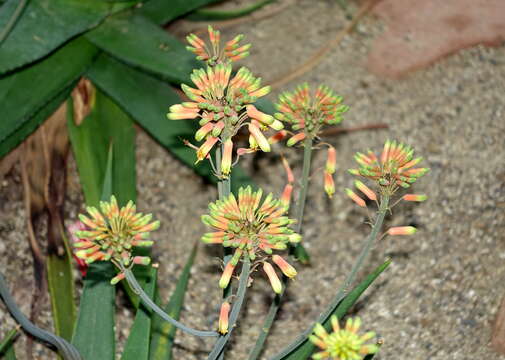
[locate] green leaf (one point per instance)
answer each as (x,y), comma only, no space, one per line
(33,122)
(302,348)
(7,346)
(61,288)
(94,334)
(91,140)
(137,345)
(29,91)
(215,14)
(163,333)
(163,11)
(44,26)
(141,43)
(106,128)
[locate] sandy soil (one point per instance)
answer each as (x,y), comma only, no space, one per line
(439,297)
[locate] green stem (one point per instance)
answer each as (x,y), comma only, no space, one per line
(217,351)
(224,190)
(146,300)
(66,350)
(294,250)
(304,185)
(343,290)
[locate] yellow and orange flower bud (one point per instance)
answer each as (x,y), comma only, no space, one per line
(260,139)
(203,131)
(286,195)
(365,190)
(285,267)
(331,160)
(226,276)
(205,148)
(223,318)
(254,113)
(227,157)
(272,277)
(295,139)
(414,197)
(329,185)
(402,230)
(355,197)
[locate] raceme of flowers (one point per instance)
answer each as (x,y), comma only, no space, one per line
(309,113)
(254,228)
(111,233)
(393,169)
(223,107)
(213,54)
(342,344)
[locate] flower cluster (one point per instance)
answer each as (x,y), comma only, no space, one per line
(342,344)
(393,169)
(308,113)
(213,54)
(223,107)
(111,234)
(255,229)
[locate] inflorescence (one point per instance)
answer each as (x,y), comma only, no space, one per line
(342,344)
(112,233)
(255,229)
(392,170)
(307,113)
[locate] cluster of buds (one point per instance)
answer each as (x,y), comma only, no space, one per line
(308,114)
(342,344)
(393,170)
(254,228)
(112,233)
(213,54)
(223,107)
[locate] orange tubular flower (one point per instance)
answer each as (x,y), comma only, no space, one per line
(111,234)
(254,228)
(393,169)
(309,113)
(223,317)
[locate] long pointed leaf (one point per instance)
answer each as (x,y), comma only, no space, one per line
(61,288)
(45,25)
(143,44)
(33,122)
(162,11)
(7,345)
(106,124)
(163,333)
(302,348)
(137,345)
(91,143)
(94,334)
(26,93)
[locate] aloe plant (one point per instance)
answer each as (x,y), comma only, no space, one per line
(94,58)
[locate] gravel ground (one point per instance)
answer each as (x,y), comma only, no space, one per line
(439,297)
